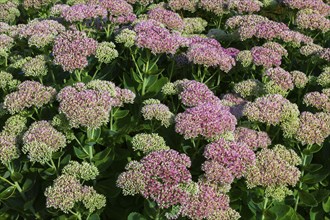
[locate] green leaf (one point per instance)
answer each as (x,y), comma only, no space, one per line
(136,216)
(321,195)
(28,184)
(315,148)
(307,198)
(326,205)
(102,155)
(94,217)
(7,193)
(93,134)
(280,210)
(120,114)
(16,177)
(315,177)
(313,167)
(58,154)
(79,153)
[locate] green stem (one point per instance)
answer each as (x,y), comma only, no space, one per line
(264,208)
(20,191)
(7,181)
(300,183)
(78,215)
(90,152)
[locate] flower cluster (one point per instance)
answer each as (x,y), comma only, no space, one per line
(195,93)
(261,27)
(126,37)
(35,67)
(148,143)
(253,139)
(281,78)
(78,103)
(249,88)
(194,25)
(29,93)
(208,120)
(68,191)
(41,33)
(313,128)
(153,109)
(80,12)
(106,52)
(209,53)
(7,83)
(158,177)
(9,11)
(234,158)
(316,5)
(274,168)
(324,78)
(318,100)
(188,5)
(300,79)
(271,109)
(205,203)
(84,171)
(170,19)
(311,19)
(150,34)
(41,140)
(71,49)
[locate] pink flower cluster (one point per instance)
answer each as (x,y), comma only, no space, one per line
(234,157)
(120,11)
(30,93)
(203,204)
(169,18)
(317,5)
(253,139)
(318,100)
(41,32)
(313,128)
(274,167)
(72,48)
(281,78)
(261,27)
(208,120)
(78,105)
(195,93)
(208,52)
(80,12)
(161,173)
(158,39)
(266,57)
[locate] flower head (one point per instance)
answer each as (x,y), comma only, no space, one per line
(151,35)
(148,143)
(72,48)
(313,128)
(237,157)
(274,167)
(78,104)
(254,139)
(106,52)
(30,93)
(41,140)
(208,120)
(157,111)
(84,170)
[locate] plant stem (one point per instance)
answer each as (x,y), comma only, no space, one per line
(300,183)
(264,208)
